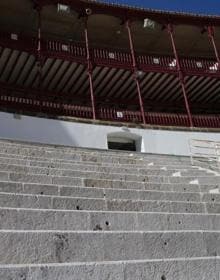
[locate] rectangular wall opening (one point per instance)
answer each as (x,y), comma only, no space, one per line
(122,144)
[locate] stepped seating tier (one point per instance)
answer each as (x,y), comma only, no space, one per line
(69,213)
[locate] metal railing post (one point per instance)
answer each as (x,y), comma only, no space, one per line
(89,68)
(135,71)
(211,35)
(180,74)
(39,54)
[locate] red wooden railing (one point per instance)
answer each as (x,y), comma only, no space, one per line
(162,119)
(74,50)
(109,57)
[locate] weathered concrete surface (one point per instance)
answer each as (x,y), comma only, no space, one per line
(29,247)
(15,200)
(188,269)
(29,219)
(134,216)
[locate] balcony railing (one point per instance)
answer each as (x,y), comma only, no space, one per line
(110,57)
(107,114)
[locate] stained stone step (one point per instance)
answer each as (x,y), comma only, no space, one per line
(207,185)
(98,204)
(107,193)
(102,192)
(61,169)
(106,175)
(79,180)
(167,269)
(150,165)
(37,188)
(6,186)
(90,246)
(108,158)
(88,152)
(71,181)
(103,169)
(38,219)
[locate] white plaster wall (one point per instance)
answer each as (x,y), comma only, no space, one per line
(95,136)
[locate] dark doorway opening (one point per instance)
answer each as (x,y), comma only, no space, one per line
(124,145)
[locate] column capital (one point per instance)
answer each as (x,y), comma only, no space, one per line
(211,31)
(128,23)
(170,28)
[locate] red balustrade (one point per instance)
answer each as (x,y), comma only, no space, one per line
(71,49)
(109,57)
(167,63)
(198,65)
(162,119)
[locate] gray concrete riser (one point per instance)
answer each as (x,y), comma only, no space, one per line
(88,158)
(93,157)
(59,169)
(142,165)
(46,147)
(29,219)
(78,180)
(27,145)
(6,186)
(67,203)
(93,246)
(141,170)
(88,153)
(188,269)
(127,213)
(107,193)
(96,153)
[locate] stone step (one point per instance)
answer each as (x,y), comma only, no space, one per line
(98,183)
(141,165)
(87,152)
(41,247)
(80,178)
(98,204)
(160,176)
(108,158)
(103,192)
(165,269)
(107,193)
(148,170)
(72,154)
(37,188)
(48,167)
(38,219)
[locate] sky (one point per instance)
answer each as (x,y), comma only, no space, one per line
(208,7)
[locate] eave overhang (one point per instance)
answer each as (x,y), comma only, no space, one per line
(134,13)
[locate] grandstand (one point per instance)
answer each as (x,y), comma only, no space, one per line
(109,142)
(98,61)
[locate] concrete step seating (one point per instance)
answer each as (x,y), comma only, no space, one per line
(83,214)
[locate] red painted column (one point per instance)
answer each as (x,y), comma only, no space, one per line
(90,70)
(181,75)
(134,64)
(212,40)
(39,54)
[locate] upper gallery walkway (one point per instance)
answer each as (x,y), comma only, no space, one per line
(98,61)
